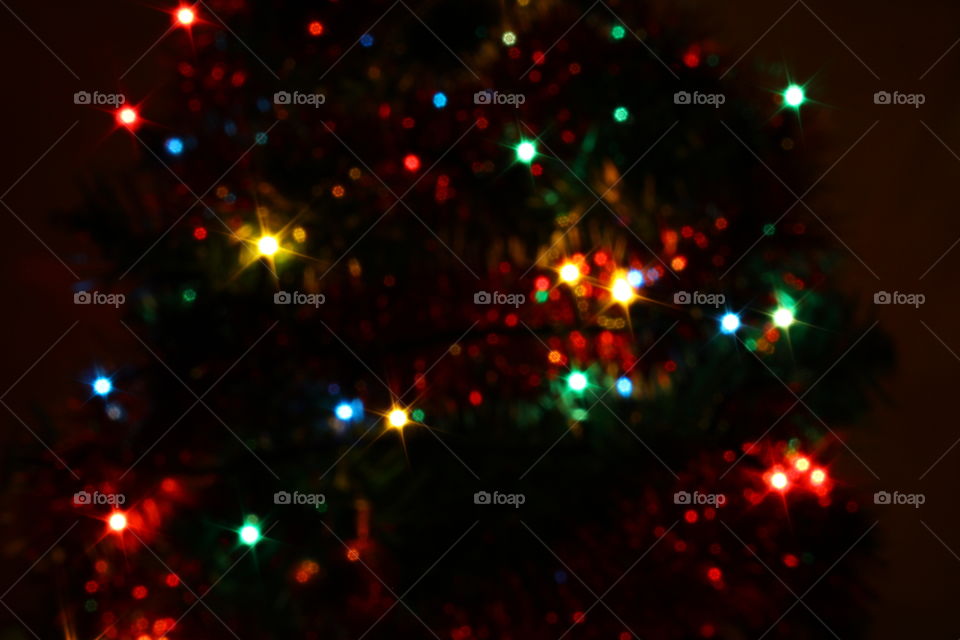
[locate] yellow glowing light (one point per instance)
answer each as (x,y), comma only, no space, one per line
(569,273)
(622,291)
(802,464)
(268,245)
(398,418)
(818,476)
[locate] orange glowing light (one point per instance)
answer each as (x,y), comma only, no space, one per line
(818,476)
(353,555)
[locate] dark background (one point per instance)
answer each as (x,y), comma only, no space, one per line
(893,202)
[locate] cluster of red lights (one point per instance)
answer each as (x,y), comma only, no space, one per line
(797,472)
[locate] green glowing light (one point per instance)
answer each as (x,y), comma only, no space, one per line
(618,32)
(509,38)
(783,317)
(577,381)
(620,114)
(250,532)
(794,96)
(526,151)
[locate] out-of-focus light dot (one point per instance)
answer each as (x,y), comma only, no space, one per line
(353,555)
(418,415)
(622,291)
(439,100)
(779,481)
(577,381)
(189,295)
(509,38)
(174,146)
(337,191)
(729,323)
(299,234)
(398,418)
(127,116)
(366,40)
(818,476)
(794,95)
(200,233)
(261,138)
(411,162)
(186,16)
(617,32)
(344,411)
(102,386)
(624,387)
(249,534)
(635,278)
(476,398)
(783,317)
(570,273)
(555,357)
(139,592)
(541,283)
(714,574)
(117,521)
(267,245)
(620,114)
(526,151)
(802,464)
(316,28)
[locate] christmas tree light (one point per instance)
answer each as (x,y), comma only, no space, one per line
(570,273)
(398,418)
(268,245)
(729,323)
(250,532)
(117,521)
(794,96)
(102,386)
(577,381)
(783,317)
(526,151)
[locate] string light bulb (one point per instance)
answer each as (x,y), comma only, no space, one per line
(783,317)
(186,16)
(577,381)
(729,323)
(250,532)
(127,116)
(779,480)
(117,521)
(526,151)
(102,386)
(622,291)
(268,245)
(398,418)
(570,273)
(794,96)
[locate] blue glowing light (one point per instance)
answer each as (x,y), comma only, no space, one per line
(366,40)
(344,411)
(624,386)
(440,100)
(729,323)
(174,146)
(635,278)
(102,386)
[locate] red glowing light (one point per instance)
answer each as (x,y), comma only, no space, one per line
(779,481)
(127,116)
(316,28)
(714,574)
(791,560)
(139,592)
(117,521)
(802,464)
(186,16)
(818,476)
(411,163)
(476,398)
(690,516)
(199,233)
